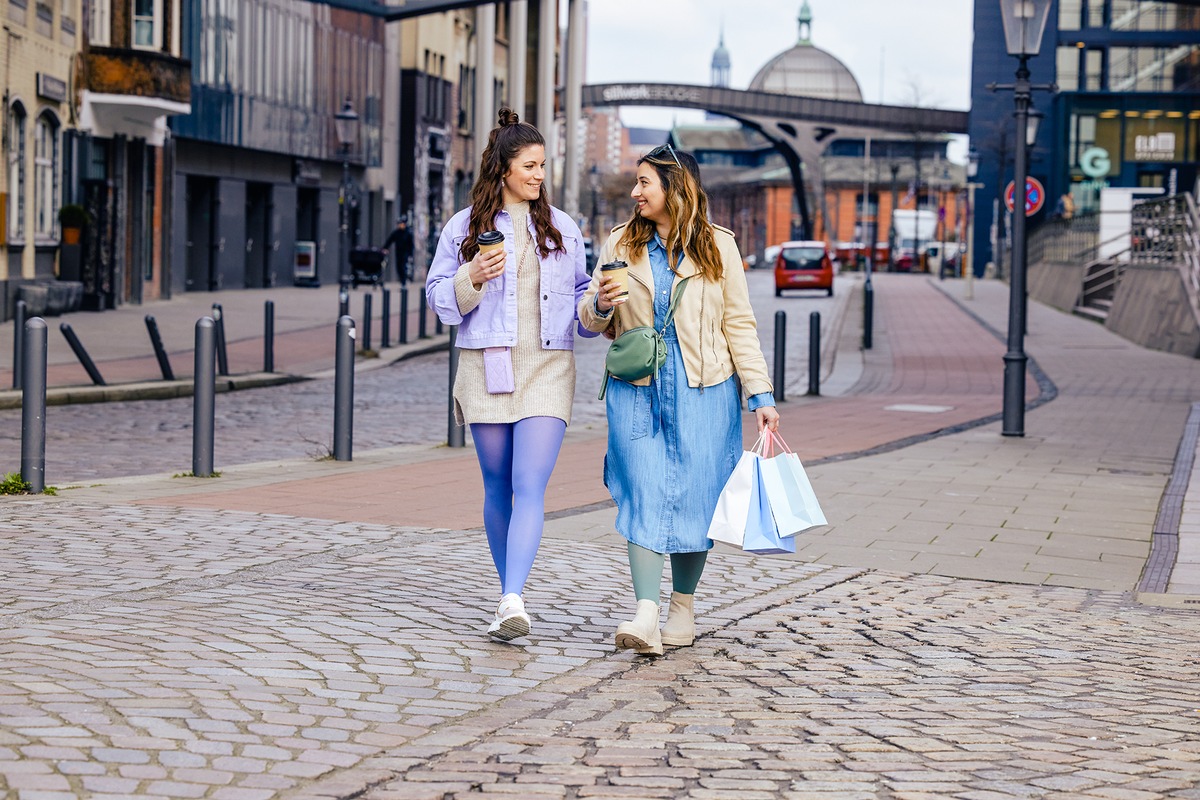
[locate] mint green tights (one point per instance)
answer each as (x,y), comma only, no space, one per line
(647,569)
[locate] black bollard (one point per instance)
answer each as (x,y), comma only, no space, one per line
(269,336)
(403,329)
(160,352)
(204,389)
(18,339)
(343,302)
(218,318)
(343,390)
(780,354)
(88,365)
(868,314)
(456,435)
(385,319)
(814,353)
(421,314)
(366,327)
(33,405)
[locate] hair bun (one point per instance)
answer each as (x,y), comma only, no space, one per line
(507,117)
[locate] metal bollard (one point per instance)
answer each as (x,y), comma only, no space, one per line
(160,352)
(814,353)
(437,326)
(404,314)
(366,331)
(204,389)
(18,342)
(456,435)
(89,366)
(385,333)
(343,390)
(868,314)
(421,333)
(780,354)
(343,302)
(269,336)
(33,405)
(218,318)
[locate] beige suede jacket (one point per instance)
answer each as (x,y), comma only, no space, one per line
(715,323)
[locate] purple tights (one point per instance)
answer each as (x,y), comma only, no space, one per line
(516,460)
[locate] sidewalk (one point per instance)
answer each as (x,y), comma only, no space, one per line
(978,620)
(1072,503)
(119,343)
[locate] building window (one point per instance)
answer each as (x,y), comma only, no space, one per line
(45,177)
(147,25)
(16,173)
(99,22)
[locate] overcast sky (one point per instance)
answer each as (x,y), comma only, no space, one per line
(896,50)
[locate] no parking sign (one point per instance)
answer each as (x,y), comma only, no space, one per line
(1035,196)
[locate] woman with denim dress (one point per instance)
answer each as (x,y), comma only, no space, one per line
(515,308)
(675,437)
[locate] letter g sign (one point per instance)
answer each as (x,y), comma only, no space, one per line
(1095,162)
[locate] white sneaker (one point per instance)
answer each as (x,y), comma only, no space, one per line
(511,620)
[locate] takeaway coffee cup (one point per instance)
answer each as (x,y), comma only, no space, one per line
(618,271)
(490,240)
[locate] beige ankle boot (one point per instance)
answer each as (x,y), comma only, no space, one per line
(680,629)
(642,633)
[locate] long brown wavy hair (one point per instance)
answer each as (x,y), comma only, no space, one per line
(691,233)
(505,143)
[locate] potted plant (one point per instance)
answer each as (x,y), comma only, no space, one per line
(72,217)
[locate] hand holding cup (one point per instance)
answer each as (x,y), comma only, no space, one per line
(614,285)
(488,263)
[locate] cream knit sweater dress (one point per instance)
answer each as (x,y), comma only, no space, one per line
(544,379)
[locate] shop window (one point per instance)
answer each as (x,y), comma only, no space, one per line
(45,177)
(16,173)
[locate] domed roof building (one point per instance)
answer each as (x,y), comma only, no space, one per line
(807,70)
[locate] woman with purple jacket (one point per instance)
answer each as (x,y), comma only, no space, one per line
(515,308)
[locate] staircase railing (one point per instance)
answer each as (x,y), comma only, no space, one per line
(1166,232)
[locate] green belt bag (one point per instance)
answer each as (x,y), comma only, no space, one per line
(639,352)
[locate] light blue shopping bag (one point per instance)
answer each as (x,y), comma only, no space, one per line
(789,493)
(762,535)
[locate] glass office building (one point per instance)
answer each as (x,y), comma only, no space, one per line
(1126,113)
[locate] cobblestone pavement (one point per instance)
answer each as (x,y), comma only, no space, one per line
(159,653)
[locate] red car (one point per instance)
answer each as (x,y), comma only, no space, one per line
(804,265)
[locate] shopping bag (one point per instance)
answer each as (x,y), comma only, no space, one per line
(762,535)
(733,505)
(789,492)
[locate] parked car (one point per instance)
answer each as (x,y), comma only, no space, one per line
(804,265)
(769,255)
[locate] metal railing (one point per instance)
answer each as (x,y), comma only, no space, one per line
(1166,232)
(1064,240)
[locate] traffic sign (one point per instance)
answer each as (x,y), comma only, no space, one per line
(1035,196)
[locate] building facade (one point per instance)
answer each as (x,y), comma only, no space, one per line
(37,47)
(259,170)
(1126,113)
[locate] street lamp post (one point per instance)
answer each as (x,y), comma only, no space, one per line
(972,171)
(345,124)
(1024,24)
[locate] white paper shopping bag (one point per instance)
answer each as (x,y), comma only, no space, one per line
(733,506)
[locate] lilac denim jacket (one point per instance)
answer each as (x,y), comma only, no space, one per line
(493,323)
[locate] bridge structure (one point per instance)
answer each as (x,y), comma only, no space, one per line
(800,128)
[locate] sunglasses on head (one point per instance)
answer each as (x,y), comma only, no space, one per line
(662,151)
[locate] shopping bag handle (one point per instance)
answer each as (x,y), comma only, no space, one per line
(761,446)
(773,438)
